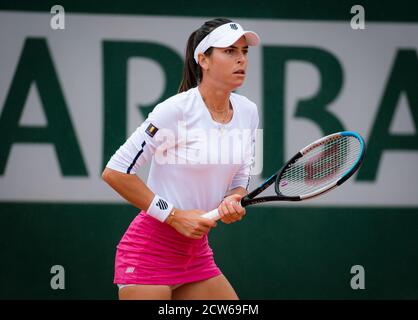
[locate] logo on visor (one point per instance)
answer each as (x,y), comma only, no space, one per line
(233,26)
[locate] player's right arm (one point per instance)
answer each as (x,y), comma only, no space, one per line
(138,149)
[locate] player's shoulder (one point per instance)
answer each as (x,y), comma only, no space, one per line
(244,103)
(177,102)
(179,99)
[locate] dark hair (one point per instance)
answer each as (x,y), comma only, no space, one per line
(192,72)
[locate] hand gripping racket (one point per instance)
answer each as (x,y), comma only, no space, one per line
(319,167)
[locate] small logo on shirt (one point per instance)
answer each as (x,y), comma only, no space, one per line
(130,269)
(151,130)
(162,204)
(233,26)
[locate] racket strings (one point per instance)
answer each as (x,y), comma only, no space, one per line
(320,166)
(340,159)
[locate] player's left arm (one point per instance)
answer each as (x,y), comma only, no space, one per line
(239,190)
(230,209)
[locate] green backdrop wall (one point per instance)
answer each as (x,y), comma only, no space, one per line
(283,252)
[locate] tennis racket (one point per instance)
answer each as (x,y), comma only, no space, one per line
(318,168)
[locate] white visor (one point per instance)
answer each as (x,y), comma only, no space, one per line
(225,36)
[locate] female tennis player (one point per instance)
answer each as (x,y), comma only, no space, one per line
(165,254)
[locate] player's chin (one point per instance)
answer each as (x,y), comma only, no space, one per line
(236,83)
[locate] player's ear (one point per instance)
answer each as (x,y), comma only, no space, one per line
(203,61)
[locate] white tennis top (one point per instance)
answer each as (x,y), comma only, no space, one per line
(194,160)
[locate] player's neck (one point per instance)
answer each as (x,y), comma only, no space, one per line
(215,98)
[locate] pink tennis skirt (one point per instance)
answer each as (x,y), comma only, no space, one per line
(151,252)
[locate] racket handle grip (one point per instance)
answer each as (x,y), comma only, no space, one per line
(213,215)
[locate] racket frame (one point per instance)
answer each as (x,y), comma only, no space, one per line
(275,178)
(312,146)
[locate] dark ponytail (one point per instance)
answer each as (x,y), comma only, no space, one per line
(192,72)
